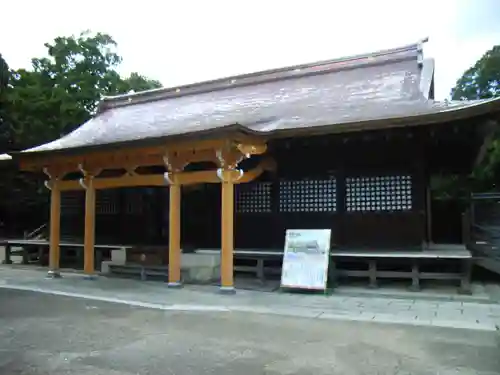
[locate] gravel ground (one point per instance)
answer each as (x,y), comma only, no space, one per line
(45,334)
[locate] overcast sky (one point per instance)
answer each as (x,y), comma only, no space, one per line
(186,41)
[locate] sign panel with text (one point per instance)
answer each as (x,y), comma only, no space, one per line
(306,257)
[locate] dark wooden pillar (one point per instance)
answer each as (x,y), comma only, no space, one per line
(339,239)
(420,185)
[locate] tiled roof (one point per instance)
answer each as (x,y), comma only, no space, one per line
(370,90)
(5,157)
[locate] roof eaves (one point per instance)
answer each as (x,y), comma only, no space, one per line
(451,114)
(233,129)
(5,157)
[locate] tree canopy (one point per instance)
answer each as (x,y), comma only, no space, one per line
(56,95)
(482,81)
(62,91)
(4,82)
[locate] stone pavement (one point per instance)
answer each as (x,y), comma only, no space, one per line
(45,334)
(420,312)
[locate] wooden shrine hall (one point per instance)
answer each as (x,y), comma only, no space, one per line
(346,144)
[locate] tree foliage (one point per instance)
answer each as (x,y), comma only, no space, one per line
(481,81)
(60,92)
(4,83)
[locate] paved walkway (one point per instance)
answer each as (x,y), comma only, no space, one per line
(423,312)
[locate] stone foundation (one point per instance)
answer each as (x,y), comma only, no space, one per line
(118,257)
(200,268)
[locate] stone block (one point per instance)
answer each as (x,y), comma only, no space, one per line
(118,256)
(105,266)
(2,254)
(200,268)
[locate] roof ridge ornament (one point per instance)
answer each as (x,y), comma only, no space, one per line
(420,51)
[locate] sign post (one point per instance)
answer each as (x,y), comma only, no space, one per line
(305,259)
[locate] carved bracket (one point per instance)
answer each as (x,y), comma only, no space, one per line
(90,172)
(229,159)
(249,150)
(220,174)
(174,163)
(168,180)
(53,176)
(232,154)
(81,181)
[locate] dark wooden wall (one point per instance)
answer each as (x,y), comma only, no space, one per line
(369,188)
(123,216)
(369,192)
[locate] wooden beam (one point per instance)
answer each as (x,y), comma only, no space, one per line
(189,152)
(227,232)
(182,178)
(174,236)
(55,229)
(89,236)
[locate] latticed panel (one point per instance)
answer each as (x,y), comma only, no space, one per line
(71,202)
(253,197)
(381,193)
(319,195)
(107,202)
(134,202)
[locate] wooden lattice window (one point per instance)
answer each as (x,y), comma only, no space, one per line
(253,197)
(71,202)
(134,201)
(382,193)
(308,195)
(107,202)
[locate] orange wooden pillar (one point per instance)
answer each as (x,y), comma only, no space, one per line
(174,235)
(227,231)
(89,235)
(55,229)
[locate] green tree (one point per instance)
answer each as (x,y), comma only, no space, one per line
(136,83)
(5,131)
(481,81)
(4,74)
(59,93)
(62,91)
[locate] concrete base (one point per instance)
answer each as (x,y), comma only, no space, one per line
(200,268)
(53,274)
(175,285)
(105,266)
(118,258)
(2,256)
(227,290)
